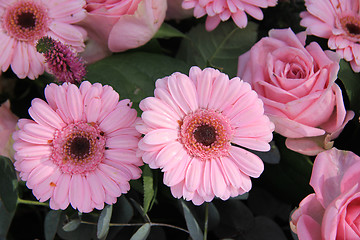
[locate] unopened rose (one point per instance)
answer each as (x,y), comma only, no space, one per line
(116,26)
(297,86)
(332,212)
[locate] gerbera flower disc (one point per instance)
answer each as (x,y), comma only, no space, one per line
(196,128)
(338,21)
(221,10)
(23,22)
(80,147)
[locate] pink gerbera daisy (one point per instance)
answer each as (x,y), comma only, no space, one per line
(23,22)
(192,127)
(222,10)
(80,148)
(338,21)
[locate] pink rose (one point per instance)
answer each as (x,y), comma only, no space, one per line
(175,10)
(297,86)
(116,26)
(332,212)
(8,122)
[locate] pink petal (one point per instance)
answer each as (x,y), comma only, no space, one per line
(248,163)
(194,174)
(160,136)
(76,191)
(61,192)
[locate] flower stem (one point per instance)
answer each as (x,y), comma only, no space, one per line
(206,223)
(30,202)
(140,224)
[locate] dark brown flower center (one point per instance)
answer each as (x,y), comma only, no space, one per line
(353,29)
(205,134)
(80,147)
(351,25)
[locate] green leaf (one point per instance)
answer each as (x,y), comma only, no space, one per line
(149,192)
(133,74)
(5,220)
(191,223)
(72,225)
(51,224)
(168,31)
(8,184)
(104,221)
(142,233)
(351,82)
(219,48)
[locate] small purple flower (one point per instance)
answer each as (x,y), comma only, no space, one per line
(61,61)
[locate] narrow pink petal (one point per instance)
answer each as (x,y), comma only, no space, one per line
(183,91)
(86,205)
(92,110)
(240,19)
(40,173)
(177,174)
(122,156)
(109,99)
(194,174)
(61,192)
(110,187)
(39,131)
(6,51)
(160,136)
(204,84)
(217,178)
(158,120)
(212,22)
(122,142)
(256,144)
(35,151)
(249,163)
(219,90)
(44,190)
(20,64)
(117,175)
(231,171)
(75,103)
(45,114)
(76,191)
(171,152)
(31,139)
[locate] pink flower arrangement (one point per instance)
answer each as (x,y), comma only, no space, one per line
(332,212)
(338,21)
(8,122)
(221,10)
(192,127)
(23,22)
(116,26)
(297,86)
(80,148)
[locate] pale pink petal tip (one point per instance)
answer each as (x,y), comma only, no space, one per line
(218,11)
(70,160)
(190,128)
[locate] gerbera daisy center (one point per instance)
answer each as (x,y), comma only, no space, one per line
(78,148)
(206,134)
(351,25)
(26,21)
